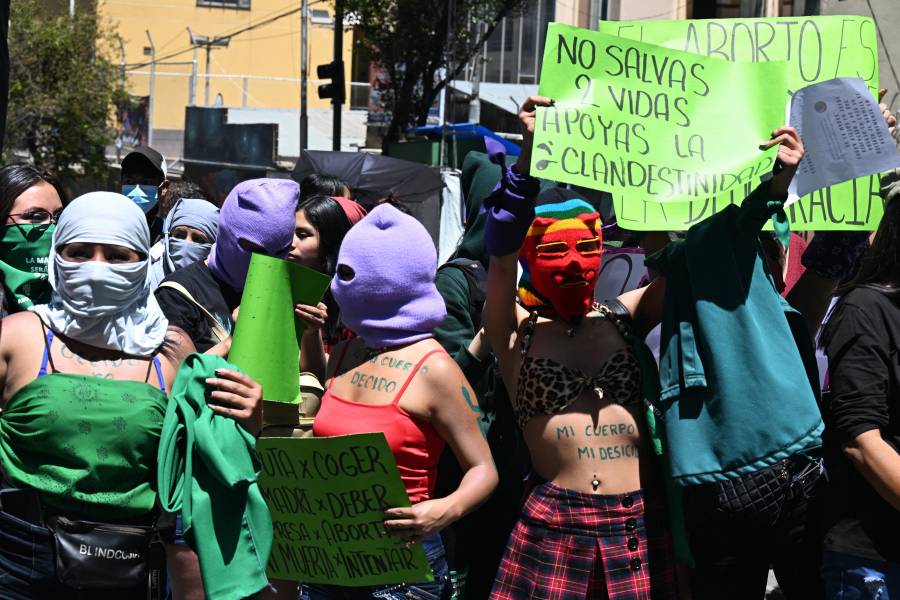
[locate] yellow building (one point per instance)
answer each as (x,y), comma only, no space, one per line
(260,67)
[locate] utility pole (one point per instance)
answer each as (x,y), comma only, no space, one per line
(338,102)
(304,74)
(192,90)
(475,101)
(152,89)
(124,64)
(448,58)
(208,44)
(206,83)
(118,140)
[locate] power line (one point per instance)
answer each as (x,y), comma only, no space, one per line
(250,27)
(267,37)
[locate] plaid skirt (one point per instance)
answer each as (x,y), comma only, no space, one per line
(570,545)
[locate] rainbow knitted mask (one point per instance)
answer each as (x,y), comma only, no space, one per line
(561,259)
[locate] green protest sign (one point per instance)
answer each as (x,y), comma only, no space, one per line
(327,497)
(851,205)
(650,122)
(815,49)
(267,334)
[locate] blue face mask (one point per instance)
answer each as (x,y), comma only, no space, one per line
(183,253)
(145,196)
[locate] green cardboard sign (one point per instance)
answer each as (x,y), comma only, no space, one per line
(853,205)
(266,339)
(815,49)
(327,497)
(653,123)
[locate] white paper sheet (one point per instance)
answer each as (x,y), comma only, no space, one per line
(843,132)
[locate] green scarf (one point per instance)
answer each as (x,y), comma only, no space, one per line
(24,252)
(206,469)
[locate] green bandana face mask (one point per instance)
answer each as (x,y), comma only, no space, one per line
(24,254)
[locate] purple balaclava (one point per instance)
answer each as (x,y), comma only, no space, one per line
(260,211)
(388,296)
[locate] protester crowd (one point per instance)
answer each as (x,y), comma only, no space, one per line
(545,451)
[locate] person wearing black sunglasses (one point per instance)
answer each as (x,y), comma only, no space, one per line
(30,203)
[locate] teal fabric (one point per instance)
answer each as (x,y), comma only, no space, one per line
(654,418)
(782,228)
(208,468)
(739,386)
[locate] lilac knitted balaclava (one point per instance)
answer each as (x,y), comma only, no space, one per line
(388,296)
(260,211)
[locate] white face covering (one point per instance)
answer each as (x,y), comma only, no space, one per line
(101,304)
(190,212)
(182,253)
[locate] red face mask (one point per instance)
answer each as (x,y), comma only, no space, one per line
(563,259)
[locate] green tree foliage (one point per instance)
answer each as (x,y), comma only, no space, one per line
(62,90)
(409,39)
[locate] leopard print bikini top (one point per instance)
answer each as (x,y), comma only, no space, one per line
(547,387)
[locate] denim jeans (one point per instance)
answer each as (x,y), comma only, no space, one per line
(849,577)
(429,590)
(27,566)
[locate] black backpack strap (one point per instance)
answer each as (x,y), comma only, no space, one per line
(476,278)
(618,314)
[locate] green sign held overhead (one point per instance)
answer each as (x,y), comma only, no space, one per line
(854,205)
(653,123)
(815,49)
(327,497)
(267,334)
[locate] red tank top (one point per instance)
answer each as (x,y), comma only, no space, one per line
(416,445)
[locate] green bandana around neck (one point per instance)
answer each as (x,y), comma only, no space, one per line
(24,255)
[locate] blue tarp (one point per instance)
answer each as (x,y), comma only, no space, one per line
(464,131)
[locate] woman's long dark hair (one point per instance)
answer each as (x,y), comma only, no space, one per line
(326,215)
(318,184)
(15,179)
(880,266)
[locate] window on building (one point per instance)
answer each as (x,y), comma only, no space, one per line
(320,16)
(723,9)
(513,52)
(237,4)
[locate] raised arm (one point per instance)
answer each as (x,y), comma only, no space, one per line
(510,213)
(500,308)
(645,305)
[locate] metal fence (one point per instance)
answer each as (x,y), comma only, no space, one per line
(175,89)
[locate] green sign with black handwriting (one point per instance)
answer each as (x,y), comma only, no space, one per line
(653,123)
(815,49)
(327,496)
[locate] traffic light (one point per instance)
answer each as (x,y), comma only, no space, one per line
(334,90)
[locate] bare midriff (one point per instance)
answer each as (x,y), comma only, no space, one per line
(593,446)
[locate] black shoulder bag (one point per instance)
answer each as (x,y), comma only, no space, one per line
(92,555)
